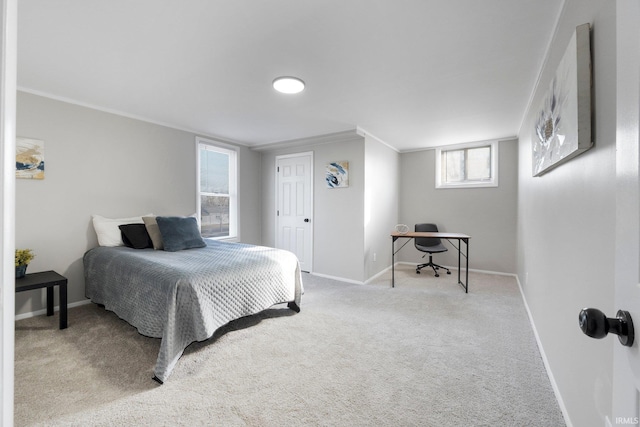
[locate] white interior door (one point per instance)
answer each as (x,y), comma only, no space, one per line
(626,365)
(294,197)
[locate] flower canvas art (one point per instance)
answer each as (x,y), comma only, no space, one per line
(562,128)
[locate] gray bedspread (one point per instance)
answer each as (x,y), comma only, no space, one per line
(184,296)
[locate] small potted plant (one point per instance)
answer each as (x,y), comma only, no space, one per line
(23,258)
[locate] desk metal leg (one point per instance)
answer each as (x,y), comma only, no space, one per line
(460,240)
(459,250)
(466,283)
(393,263)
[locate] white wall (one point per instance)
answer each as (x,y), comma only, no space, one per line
(566,227)
(338,231)
(101,163)
(381,204)
(488,215)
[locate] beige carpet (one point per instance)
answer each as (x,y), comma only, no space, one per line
(424,353)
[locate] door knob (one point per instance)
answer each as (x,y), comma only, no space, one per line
(595,324)
(306,220)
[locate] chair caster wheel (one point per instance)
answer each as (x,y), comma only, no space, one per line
(448,272)
(417,271)
(437,275)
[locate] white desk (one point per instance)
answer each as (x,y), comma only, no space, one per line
(446,236)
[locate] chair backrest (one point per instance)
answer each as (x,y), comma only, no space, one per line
(426,241)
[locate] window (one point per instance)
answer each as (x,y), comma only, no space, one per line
(467,165)
(217,189)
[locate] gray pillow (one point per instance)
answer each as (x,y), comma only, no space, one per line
(179,232)
(153,230)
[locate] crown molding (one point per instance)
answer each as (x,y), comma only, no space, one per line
(132,116)
(329,138)
(362,132)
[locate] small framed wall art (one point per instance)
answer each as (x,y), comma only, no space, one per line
(337,174)
(29,158)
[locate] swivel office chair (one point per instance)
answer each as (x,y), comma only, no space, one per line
(430,245)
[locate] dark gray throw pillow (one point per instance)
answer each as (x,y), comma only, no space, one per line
(179,232)
(135,236)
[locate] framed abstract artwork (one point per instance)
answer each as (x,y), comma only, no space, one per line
(29,158)
(562,127)
(337,174)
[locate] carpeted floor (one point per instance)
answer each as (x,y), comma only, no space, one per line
(422,354)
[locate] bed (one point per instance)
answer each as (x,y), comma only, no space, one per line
(183,297)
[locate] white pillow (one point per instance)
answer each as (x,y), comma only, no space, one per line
(107,229)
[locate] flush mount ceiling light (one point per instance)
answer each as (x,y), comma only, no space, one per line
(287,84)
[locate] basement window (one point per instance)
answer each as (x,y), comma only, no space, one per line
(467,165)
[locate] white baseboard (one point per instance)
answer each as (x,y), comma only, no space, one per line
(44,311)
(341,279)
(372,278)
(474,270)
(547,367)
(376,276)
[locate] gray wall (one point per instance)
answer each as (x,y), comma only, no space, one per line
(488,215)
(563,265)
(338,232)
(381,204)
(101,163)
(350,224)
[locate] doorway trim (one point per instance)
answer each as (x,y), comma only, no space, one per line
(8,95)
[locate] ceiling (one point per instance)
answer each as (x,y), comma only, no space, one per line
(413,73)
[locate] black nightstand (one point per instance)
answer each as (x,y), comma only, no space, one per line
(47,279)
